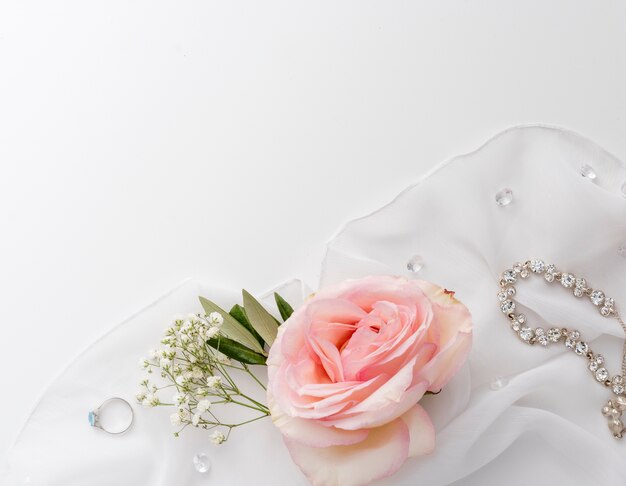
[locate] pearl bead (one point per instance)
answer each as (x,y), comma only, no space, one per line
(606,411)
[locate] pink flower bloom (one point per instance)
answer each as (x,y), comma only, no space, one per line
(348,369)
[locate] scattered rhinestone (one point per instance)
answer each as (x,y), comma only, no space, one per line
(504,197)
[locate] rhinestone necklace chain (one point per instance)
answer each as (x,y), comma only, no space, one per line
(614,407)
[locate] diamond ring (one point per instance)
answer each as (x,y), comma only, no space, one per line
(118,425)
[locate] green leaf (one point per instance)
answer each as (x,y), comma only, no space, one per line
(283,307)
(239,313)
(231,328)
(262,321)
(236,351)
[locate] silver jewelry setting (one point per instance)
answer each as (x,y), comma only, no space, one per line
(569,337)
(94,416)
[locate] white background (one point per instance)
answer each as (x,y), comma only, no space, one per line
(143,142)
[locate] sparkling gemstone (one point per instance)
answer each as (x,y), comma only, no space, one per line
(579,292)
(567,280)
(593,366)
(554,334)
(621,250)
(581,348)
(499,383)
(524,273)
(518,267)
(515,325)
(597,297)
(551,268)
(537,266)
(539,331)
(502,296)
(570,343)
(574,334)
(623,189)
(507,306)
(415,264)
(509,276)
(202,463)
(599,359)
(504,197)
(543,340)
(549,276)
(587,171)
(609,302)
(526,333)
(581,282)
(605,311)
(92,418)
(521,318)
(511,291)
(602,374)
(618,389)
(617,379)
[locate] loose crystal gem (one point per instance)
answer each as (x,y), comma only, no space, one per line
(597,297)
(202,463)
(507,306)
(581,348)
(593,366)
(415,264)
(570,343)
(621,250)
(587,171)
(567,280)
(602,374)
(499,383)
(502,296)
(624,189)
(618,389)
(554,334)
(526,333)
(92,418)
(509,276)
(537,266)
(504,197)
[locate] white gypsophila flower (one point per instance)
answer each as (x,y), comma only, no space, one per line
(217,437)
(165,363)
(195,420)
(215,319)
(192,359)
(154,388)
(154,354)
(213,381)
(211,332)
(184,338)
(202,392)
(141,396)
(180,399)
(151,400)
(203,406)
(176,419)
(197,373)
(181,380)
(143,363)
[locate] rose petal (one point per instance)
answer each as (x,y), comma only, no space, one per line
(440,370)
(381,454)
(311,432)
(421,431)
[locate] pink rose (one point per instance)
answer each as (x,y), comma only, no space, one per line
(348,368)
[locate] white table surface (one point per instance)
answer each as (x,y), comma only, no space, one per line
(145,142)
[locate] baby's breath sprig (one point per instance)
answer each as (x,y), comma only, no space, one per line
(199,377)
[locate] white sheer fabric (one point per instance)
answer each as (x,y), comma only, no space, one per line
(543,427)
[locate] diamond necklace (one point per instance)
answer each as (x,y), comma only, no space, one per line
(614,407)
